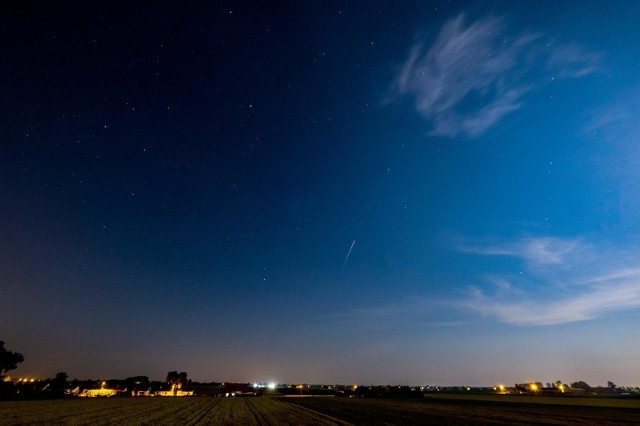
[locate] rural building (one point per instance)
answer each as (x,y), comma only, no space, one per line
(239,389)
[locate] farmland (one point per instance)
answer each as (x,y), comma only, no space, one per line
(309,411)
(158,411)
(495,410)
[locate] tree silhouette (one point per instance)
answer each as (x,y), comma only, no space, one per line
(175,378)
(582,385)
(60,382)
(9,360)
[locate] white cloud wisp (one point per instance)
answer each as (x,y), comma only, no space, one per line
(566,281)
(580,294)
(536,251)
(473,75)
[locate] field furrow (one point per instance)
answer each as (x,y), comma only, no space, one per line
(306,411)
(201,416)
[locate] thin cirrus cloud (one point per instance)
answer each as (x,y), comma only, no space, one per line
(592,302)
(619,119)
(581,293)
(534,250)
(474,74)
(568,281)
(618,125)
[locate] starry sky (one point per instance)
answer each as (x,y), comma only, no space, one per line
(421,192)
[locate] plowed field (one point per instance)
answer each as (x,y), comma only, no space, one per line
(305,411)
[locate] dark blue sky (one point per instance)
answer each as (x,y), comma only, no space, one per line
(402,192)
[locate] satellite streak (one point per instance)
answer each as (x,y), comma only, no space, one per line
(348,254)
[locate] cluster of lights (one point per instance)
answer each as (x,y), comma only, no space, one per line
(500,388)
(262,385)
(21,380)
(533,387)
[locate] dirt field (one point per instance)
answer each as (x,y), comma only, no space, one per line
(158,411)
(588,401)
(303,411)
(467,411)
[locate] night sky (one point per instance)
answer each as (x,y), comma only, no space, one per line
(322,192)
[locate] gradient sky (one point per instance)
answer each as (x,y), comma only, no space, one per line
(336,192)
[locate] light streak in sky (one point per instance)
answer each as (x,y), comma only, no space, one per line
(346,259)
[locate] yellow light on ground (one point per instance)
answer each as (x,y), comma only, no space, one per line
(533,387)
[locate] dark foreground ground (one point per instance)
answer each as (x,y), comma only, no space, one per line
(309,411)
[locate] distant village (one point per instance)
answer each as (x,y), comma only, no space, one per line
(178,385)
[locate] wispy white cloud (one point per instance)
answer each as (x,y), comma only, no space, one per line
(583,290)
(535,250)
(619,119)
(573,60)
(616,127)
(592,301)
(620,274)
(474,74)
(567,280)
